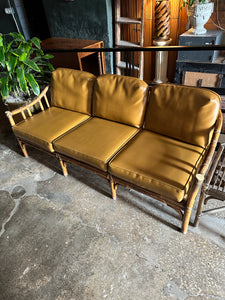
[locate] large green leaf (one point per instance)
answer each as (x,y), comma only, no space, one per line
(11,62)
(4,86)
(17,36)
(1,41)
(38,52)
(25,51)
(50,67)
(2,57)
(17,52)
(36,42)
(33,84)
(8,46)
(47,56)
(32,65)
(21,79)
(23,56)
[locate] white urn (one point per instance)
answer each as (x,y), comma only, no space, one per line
(199,15)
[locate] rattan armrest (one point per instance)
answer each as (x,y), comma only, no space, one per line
(212,146)
(27,107)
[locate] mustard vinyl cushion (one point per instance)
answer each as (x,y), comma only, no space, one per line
(95,142)
(72,89)
(184,113)
(158,163)
(120,98)
(44,127)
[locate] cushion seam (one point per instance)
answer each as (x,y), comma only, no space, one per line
(86,155)
(153,179)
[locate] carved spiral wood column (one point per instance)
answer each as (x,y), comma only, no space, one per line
(162,19)
(162,31)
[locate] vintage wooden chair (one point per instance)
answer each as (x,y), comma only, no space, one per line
(214,185)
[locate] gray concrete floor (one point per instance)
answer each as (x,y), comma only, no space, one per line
(65,238)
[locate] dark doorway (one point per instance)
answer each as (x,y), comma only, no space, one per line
(37,19)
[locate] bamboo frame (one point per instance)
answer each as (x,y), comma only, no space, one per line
(184,208)
(214,184)
(23,147)
(22,110)
(27,107)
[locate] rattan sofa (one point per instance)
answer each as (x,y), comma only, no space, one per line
(159,142)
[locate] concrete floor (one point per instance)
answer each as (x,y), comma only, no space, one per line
(65,238)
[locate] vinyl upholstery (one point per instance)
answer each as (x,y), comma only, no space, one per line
(44,127)
(158,163)
(157,146)
(121,99)
(72,90)
(184,113)
(95,142)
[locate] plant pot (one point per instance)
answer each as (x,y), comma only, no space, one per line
(199,15)
(13,102)
(16,101)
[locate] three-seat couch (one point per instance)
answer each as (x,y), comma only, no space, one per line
(159,141)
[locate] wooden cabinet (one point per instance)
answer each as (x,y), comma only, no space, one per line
(86,61)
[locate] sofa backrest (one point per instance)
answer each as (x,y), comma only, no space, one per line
(120,98)
(72,90)
(184,113)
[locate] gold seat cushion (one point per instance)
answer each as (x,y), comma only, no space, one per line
(41,129)
(158,163)
(182,112)
(95,142)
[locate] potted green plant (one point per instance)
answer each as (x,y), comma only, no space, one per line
(23,67)
(192,2)
(199,12)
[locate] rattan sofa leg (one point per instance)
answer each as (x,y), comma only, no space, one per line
(23,148)
(113,188)
(188,210)
(63,166)
(186,219)
(200,206)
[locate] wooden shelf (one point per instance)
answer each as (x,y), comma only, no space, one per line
(134,63)
(122,43)
(124,20)
(123,65)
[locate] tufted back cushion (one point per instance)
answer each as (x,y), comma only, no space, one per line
(184,113)
(120,98)
(72,90)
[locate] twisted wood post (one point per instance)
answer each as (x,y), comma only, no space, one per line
(162,19)
(162,31)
